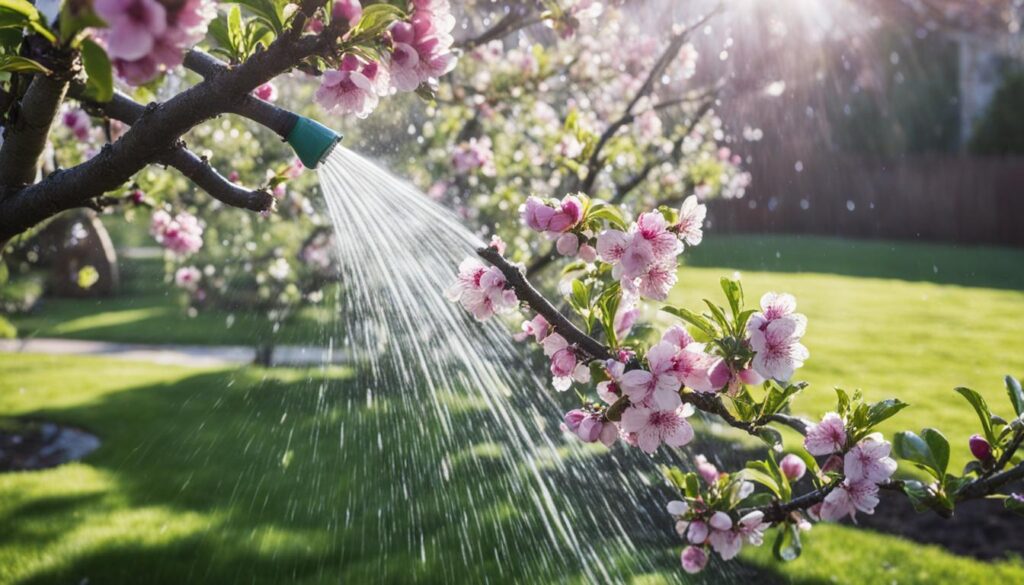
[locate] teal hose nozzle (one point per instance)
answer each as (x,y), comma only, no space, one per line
(312,141)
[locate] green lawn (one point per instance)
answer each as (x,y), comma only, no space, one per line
(270,476)
(150,311)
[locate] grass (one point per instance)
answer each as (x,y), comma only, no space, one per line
(887,336)
(217,476)
(223,476)
(150,311)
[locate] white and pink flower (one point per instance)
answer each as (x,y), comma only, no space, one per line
(482,290)
(182,235)
(354,88)
(826,437)
(849,497)
(654,427)
(689,228)
(473,154)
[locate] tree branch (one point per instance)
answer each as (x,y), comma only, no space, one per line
(196,168)
(518,18)
(526,293)
(25,139)
(156,132)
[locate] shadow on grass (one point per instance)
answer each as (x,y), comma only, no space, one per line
(280,476)
(973,266)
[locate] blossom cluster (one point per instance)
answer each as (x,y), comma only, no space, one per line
(181,234)
(420,51)
(146,37)
(644,258)
(864,466)
(482,290)
(706,522)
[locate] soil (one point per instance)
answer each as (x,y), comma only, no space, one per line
(33,444)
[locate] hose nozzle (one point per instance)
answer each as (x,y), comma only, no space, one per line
(311,141)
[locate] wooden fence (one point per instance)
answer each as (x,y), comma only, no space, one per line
(960,199)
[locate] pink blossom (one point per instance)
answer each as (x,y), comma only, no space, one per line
(706,470)
(182,235)
(133,26)
(78,122)
(778,347)
(187,277)
(497,243)
(587,253)
(654,427)
(145,37)
(848,498)
(775,306)
(569,214)
(350,10)
(727,543)
(793,467)
(694,559)
(354,88)
(474,154)
(543,217)
(698,532)
(826,437)
(565,368)
(869,460)
(567,244)
(266,92)
(591,427)
(537,327)
(482,290)
(750,376)
(678,336)
(610,390)
(752,526)
(677,507)
(570,147)
(422,48)
(691,221)
(625,317)
(643,259)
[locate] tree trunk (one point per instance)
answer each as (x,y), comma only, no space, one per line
(25,139)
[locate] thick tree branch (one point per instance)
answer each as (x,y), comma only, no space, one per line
(25,139)
(519,17)
(157,131)
(196,168)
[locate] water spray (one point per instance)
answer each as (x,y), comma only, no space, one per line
(311,140)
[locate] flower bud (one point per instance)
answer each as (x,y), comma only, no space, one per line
(720,521)
(677,507)
(587,253)
(793,467)
(694,559)
(697,533)
(567,244)
(573,418)
(980,448)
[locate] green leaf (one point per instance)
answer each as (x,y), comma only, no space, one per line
(734,294)
(269,12)
(883,410)
(843,405)
(601,211)
(919,495)
(15,64)
(770,436)
(698,321)
(939,447)
(909,446)
(376,18)
(235,36)
(754,472)
(718,314)
(4,273)
(22,14)
(1016,393)
(980,407)
(787,545)
(75,17)
(100,84)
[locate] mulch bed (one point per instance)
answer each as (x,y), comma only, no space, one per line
(33,444)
